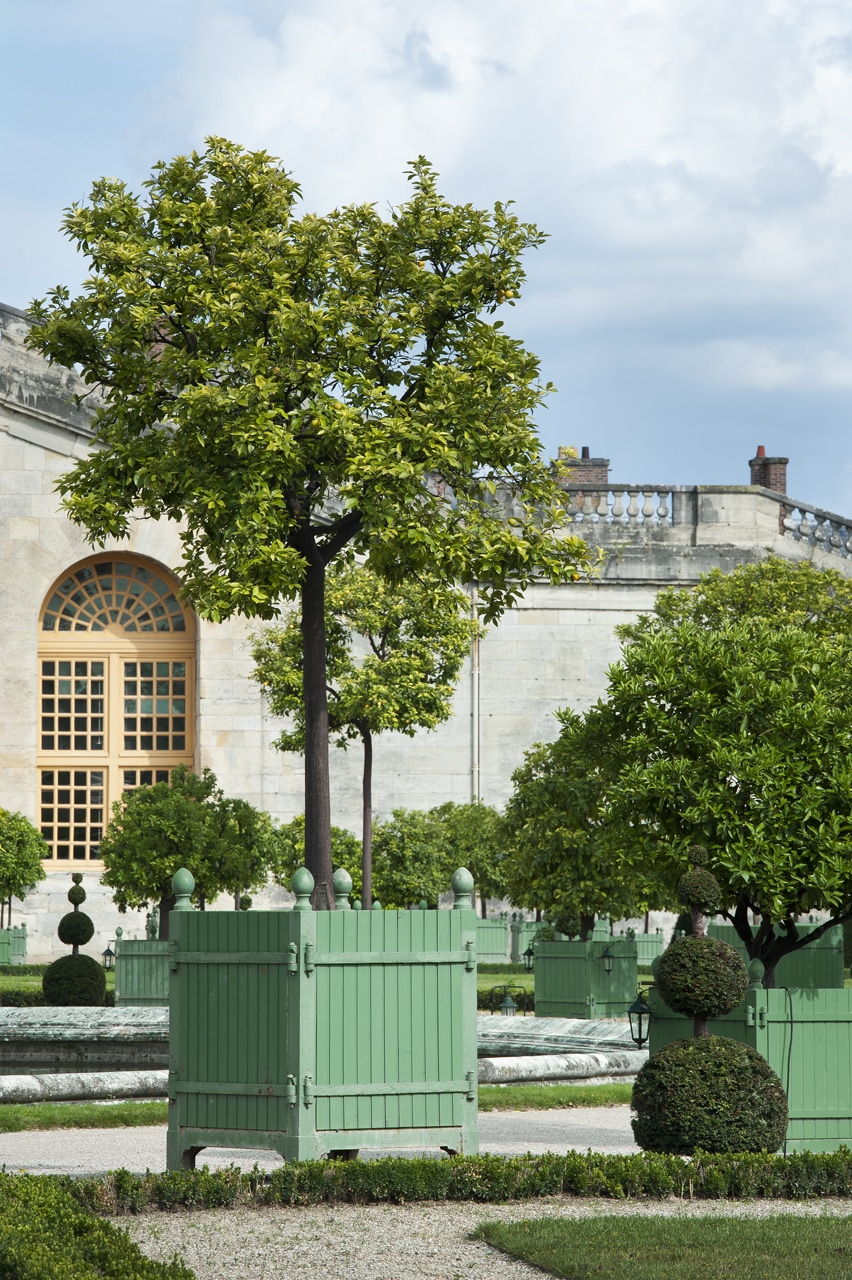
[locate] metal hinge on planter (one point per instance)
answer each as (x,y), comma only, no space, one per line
(308,1091)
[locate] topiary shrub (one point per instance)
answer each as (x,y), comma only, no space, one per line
(75,979)
(708,1093)
(78,980)
(699,890)
(701,977)
(76,929)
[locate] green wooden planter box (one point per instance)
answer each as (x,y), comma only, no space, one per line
(312,1033)
(13,944)
(649,946)
(492,941)
(571,979)
(819,964)
(806,1037)
(141,972)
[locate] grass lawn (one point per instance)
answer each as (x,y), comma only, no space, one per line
(551,1097)
(657,1248)
(12,981)
(15,1117)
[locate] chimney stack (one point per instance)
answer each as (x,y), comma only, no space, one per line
(585,473)
(769,473)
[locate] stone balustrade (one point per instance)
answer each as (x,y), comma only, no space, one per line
(703,514)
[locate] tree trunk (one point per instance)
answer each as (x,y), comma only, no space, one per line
(317,799)
(483,904)
(367,822)
(699,930)
(699,1027)
(167,901)
(237,899)
(587,925)
(647,922)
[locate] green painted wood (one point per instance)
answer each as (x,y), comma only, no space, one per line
(571,981)
(311,1032)
(819,964)
(649,946)
(141,972)
(13,944)
(806,1037)
(492,941)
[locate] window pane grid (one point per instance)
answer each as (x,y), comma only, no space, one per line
(71,812)
(154,706)
(72,705)
(131,779)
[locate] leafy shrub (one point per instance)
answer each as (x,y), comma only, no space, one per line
(78,980)
(486,1179)
(701,977)
(708,1093)
(76,928)
(45,1234)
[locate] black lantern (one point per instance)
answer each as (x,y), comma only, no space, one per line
(529,959)
(639,1014)
(607,958)
(108,958)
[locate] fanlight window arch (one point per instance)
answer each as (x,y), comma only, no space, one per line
(116,694)
(114,594)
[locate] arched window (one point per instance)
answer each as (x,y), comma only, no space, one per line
(116,694)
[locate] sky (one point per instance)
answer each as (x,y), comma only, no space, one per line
(690,162)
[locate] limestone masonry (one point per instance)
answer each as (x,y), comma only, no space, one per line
(151,685)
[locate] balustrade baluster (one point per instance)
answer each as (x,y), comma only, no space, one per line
(663,509)
(617,504)
(632,506)
(648,506)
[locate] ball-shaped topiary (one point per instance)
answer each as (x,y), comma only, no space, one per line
(76,929)
(701,977)
(74,980)
(76,894)
(699,890)
(708,1093)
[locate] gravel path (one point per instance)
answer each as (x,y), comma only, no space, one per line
(507,1133)
(384,1242)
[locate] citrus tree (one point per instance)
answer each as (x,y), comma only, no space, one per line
(22,849)
(393,654)
(291,388)
(185,822)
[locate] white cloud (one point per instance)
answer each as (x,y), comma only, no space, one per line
(692,162)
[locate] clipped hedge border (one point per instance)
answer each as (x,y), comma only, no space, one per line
(47,1234)
(21,998)
(486,1179)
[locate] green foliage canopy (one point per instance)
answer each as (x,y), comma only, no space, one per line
(288,843)
(568,853)
(727,723)
(288,388)
(412,860)
(22,849)
(474,836)
(412,638)
(224,842)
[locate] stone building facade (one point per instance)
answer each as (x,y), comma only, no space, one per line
(108,682)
